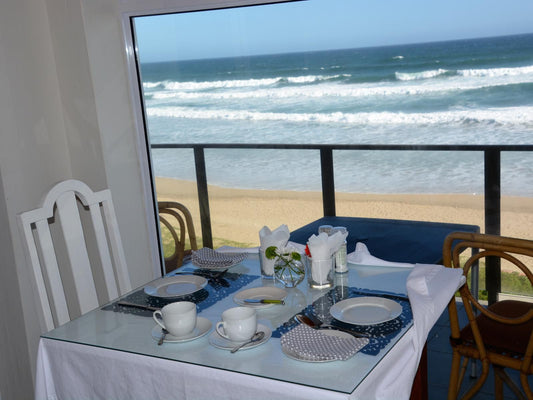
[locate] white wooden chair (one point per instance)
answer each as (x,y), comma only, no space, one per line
(42,250)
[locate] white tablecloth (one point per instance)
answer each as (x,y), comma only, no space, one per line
(73,371)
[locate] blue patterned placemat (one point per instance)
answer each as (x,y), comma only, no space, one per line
(215,290)
(380,334)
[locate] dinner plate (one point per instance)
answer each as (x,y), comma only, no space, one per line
(271,293)
(295,356)
(203,325)
(366,310)
(222,343)
(176,286)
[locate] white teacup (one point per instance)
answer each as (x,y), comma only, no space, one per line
(238,324)
(178,318)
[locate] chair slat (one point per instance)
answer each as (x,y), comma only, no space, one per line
(57,291)
(70,221)
(31,249)
(103,249)
(119,258)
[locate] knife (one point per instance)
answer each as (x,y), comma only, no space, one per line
(142,307)
(265,301)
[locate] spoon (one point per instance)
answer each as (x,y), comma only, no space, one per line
(162,338)
(255,338)
(304,319)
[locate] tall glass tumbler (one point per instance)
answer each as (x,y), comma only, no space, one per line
(320,273)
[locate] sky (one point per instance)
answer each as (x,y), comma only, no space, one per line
(325,24)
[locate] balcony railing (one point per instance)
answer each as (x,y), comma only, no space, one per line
(492,175)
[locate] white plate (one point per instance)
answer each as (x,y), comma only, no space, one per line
(295,356)
(176,286)
(222,343)
(271,293)
(203,325)
(366,310)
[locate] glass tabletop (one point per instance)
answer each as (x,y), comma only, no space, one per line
(130,330)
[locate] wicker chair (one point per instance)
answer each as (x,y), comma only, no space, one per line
(171,211)
(501,334)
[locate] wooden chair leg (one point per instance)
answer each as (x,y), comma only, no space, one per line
(455,377)
(501,377)
(479,382)
(525,385)
(498,384)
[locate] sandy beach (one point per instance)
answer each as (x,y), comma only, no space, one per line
(238,215)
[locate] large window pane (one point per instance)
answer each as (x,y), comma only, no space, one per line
(339,72)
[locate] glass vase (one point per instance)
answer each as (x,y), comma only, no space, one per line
(289,272)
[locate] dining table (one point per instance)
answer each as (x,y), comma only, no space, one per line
(112,352)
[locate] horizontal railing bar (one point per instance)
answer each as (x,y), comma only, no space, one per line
(492,154)
(393,147)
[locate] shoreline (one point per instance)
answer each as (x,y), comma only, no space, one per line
(239,214)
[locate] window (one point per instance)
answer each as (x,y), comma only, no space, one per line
(338,72)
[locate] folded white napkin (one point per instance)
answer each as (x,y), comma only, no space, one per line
(213,259)
(322,246)
(278,237)
(362,256)
(310,344)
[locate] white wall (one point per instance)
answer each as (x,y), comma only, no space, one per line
(33,154)
(60,119)
(66,111)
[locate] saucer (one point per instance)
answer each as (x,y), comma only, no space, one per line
(203,325)
(222,343)
(267,292)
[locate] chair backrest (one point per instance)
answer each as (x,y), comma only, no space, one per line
(43,249)
(517,254)
(178,221)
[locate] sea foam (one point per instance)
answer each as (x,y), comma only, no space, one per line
(438,86)
(512,116)
(401,76)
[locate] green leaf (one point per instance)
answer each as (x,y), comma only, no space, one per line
(270,252)
(296,256)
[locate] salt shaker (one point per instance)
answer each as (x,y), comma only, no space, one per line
(325,228)
(341,262)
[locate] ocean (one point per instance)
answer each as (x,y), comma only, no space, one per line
(476,91)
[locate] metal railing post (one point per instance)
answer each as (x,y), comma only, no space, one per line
(328,183)
(492,219)
(203,196)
